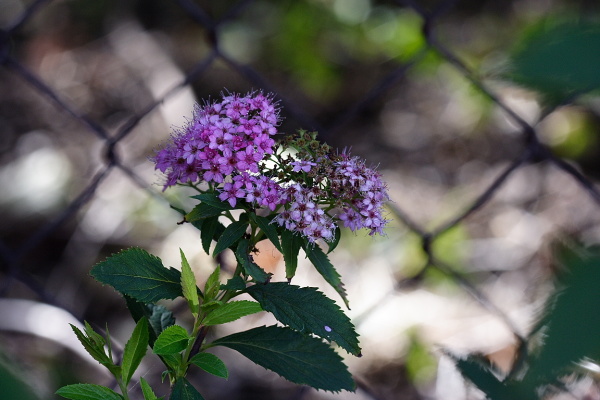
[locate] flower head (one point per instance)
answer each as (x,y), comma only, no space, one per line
(311,193)
(223,138)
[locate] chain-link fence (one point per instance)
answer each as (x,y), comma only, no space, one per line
(479,175)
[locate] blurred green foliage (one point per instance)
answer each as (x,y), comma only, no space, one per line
(420,363)
(559,60)
(578,138)
(318,43)
(11,384)
(567,333)
(451,246)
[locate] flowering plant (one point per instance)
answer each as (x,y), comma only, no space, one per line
(294,192)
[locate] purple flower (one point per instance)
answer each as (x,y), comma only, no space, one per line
(231,192)
(303,165)
(192,149)
(215,135)
(248,160)
(270,199)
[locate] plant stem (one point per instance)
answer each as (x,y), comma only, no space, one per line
(199,333)
(123,388)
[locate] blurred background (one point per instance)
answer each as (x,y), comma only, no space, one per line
(484,175)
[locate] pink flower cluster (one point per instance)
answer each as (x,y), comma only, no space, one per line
(224,145)
(363,192)
(223,138)
(356,192)
(258,190)
(303,215)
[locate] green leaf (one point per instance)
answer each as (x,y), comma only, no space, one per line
(336,239)
(560,60)
(93,336)
(299,358)
(213,200)
(211,364)
(202,211)
(235,283)
(86,391)
(208,306)
(197,224)
(147,390)
(231,311)
(232,234)
(95,348)
(188,285)
(211,229)
(172,361)
(183,390)
(322,264)
(290,245)
(171,341)
(138,274)
(159,318)
(250,267)
(179,210)
(307,310)
(135,350)
(269,229)
(212,285)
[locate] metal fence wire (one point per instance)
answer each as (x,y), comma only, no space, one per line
(84,103)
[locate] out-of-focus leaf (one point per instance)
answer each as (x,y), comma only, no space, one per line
(477,370)
(297,47)
(138,274)
(307,310)
(299,358)
(12,381)
(420,361)
(568,327)
(559,60)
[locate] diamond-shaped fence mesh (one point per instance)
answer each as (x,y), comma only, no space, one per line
(483,179)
